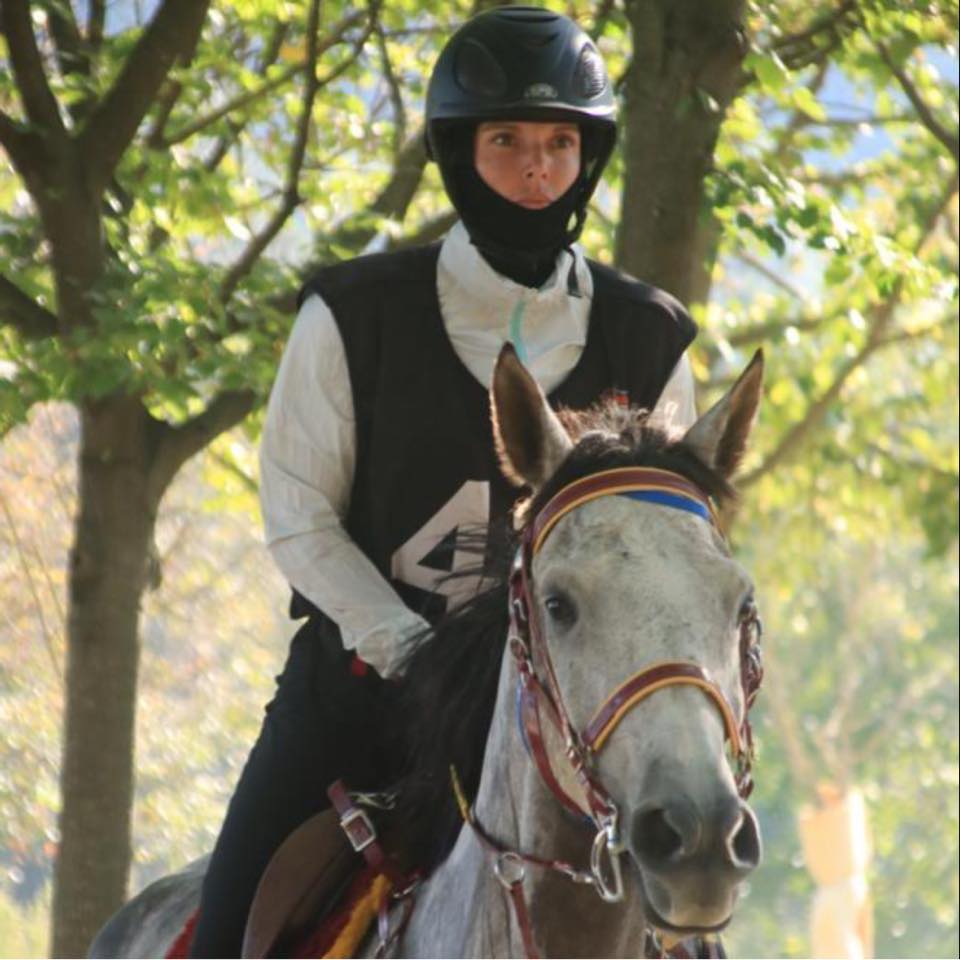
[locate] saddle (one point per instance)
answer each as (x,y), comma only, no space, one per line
(321,864)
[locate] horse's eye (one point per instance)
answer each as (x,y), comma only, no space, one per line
(749,616)
(561,609)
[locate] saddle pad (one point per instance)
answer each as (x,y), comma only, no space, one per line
(180,948)
(338,934)
(344,928)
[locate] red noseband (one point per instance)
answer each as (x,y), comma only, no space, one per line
(670,673)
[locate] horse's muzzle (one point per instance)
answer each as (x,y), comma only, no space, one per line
(692,862)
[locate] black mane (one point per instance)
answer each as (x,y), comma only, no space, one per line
(448,691)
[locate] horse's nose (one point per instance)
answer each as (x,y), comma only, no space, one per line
(666,834)
(743,840)
(674,833)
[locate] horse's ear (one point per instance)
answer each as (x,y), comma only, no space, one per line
(531,442)
(719,437)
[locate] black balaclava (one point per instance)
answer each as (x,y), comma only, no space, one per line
(517,242)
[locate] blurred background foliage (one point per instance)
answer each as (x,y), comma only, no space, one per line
(832,211)
(213,631)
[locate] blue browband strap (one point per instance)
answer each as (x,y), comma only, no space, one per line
(678,501)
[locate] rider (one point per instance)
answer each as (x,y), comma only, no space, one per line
(377,450)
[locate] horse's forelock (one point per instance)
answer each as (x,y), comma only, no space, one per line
(609,435)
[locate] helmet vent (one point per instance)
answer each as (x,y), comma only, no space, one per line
(526,14)
(590,78)
(477,71)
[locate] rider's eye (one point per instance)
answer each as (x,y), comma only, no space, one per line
(561,609)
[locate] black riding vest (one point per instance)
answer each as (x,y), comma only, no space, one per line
(424,445)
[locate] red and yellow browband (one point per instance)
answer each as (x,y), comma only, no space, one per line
(639,483)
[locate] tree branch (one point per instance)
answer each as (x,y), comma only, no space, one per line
(396,196)
(28,576)
(39,103)
(356,47)
(859,175)
(799,119)
(800,755)
(600,17)
(892,717)
(273,46)
(95,22)
(869,120)
(234,127)
(391,202)
(949,140)
(806,46)
(62,24)
(918,333)
(880,319)
(905,458)
(241,100)
(777,279)
(291,195)
(427,232)
(250,96)
(758,332)
(179,444)
(796,436)
(172,34)
(15,142)
(396,97)
(24,314)
(236,471)
(222,147)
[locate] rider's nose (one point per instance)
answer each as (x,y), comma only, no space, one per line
(535,167)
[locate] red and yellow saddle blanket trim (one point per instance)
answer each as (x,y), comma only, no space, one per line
(339,934)
(180,948)
(343,931)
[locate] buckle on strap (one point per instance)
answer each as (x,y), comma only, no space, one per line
(358,828)
(607,875)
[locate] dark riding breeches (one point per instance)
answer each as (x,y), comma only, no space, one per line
(325,722)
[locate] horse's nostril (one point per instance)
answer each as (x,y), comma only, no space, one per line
(655,840)
(744,841)
(664,834)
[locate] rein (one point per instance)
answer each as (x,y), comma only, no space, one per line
(545,722)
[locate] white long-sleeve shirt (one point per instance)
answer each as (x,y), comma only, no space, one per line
(308,449)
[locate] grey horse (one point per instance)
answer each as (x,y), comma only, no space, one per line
(621,586)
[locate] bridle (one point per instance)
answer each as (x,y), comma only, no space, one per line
(564,756)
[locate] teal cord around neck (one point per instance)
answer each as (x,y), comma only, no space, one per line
(514,335)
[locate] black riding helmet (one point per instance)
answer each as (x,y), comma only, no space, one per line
(518,63)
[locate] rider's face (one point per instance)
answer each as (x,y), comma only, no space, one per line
(529,163)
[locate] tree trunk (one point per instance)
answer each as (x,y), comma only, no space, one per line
(108,566)
(684,72)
